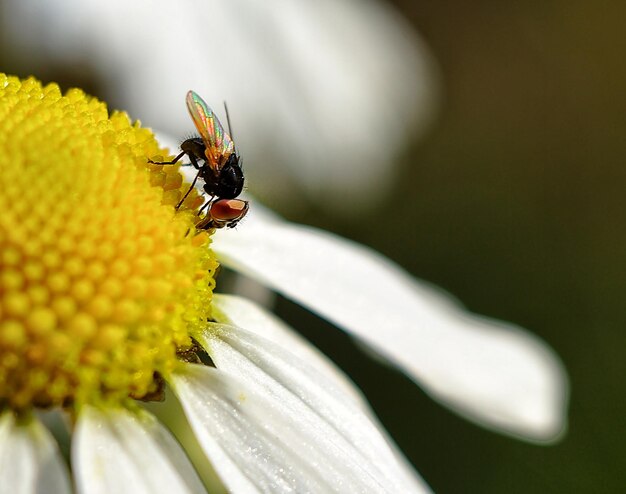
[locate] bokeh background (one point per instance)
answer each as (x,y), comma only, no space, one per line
(512,197)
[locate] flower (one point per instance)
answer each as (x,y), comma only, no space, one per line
(105,293)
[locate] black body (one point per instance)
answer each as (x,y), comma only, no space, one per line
(229,182)
(225,184)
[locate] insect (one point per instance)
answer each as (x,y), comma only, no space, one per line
(213,155)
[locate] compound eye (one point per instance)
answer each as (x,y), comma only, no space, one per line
(228,209)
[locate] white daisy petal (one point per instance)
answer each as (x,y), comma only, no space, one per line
(128,452)
(326,74)
(495,374)
(30,461)
(241,312)
(270,422)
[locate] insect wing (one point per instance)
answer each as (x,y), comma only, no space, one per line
(219,145)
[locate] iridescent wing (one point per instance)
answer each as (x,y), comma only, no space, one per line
(219,145)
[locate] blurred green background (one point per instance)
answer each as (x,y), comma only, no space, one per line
(514,202)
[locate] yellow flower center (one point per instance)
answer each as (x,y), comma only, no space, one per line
(101,279)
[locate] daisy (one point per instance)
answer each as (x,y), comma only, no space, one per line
(105,294)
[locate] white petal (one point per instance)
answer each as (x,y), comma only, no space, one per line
(495,374)
(240,312)
(313,80)
(128,452)
(292,378)
(30,461)
(270,422)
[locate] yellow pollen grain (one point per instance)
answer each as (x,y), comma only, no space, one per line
(101,279)
(143,266)
(38,295)
(12,334)
(173,182)
(11,279)
(82,326)
(10,257)
(64,307)
(100,306)
(33,271)
(95,271)
(51,260)
(58,282)
(41,320)
(16,304)
(82,290)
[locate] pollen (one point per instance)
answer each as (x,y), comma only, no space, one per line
(101,278)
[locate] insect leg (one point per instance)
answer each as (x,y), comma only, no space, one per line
(206,205)
(194,162)
(188,191)
(173,162)
(206,222)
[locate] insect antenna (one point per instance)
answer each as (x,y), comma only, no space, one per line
(230,131)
